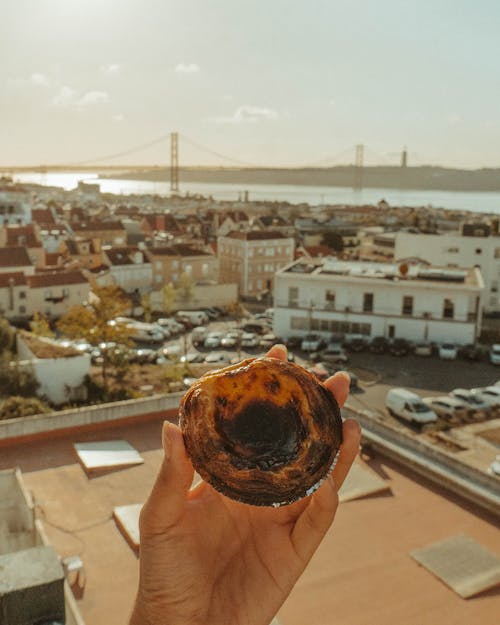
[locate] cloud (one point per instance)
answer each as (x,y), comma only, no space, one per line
(65,97)
(455,119)
(248,115)
(187,68)
(119,117)
(93,97)
(111,68)
(39,80)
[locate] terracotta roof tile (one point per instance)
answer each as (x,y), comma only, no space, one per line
(16,278)
(14,257)
(256,235)
(56,278)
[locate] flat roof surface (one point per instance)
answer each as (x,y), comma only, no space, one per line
(362,572)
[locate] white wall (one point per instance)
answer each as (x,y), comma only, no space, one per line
(204,296)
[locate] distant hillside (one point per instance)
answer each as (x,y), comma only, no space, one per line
(425,178)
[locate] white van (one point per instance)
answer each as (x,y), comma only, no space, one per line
(407,405)
(196,317)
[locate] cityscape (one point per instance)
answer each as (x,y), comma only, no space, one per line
(127,278)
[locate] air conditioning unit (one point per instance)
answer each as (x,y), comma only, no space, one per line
(32,588)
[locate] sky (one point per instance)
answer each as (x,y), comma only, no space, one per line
(257,82)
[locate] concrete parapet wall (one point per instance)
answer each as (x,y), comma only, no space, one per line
(88,416)
(434,463)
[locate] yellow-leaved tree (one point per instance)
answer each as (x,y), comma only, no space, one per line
(95,322)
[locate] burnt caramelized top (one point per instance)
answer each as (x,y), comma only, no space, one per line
(263,432)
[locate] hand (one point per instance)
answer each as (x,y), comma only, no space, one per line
(208,560)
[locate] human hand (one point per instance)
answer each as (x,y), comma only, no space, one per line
(208,560)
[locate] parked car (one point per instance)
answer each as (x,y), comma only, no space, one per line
(256,327)
(193,357)
(250,339)
(231,339)
(198,335)
(173,326)
(475,402)
(407,405)
(399,347)
(489,394)
(294,342)
(188,381)
(213,340)
(494,354)
(470,352)
(312,343)
(379,345)
(211,313)
(196,317)
(323,370)
(423,349)
(448,351)
(268,340)
(217,358)
(356,343)
(449,408)
(333,353)
(494,468)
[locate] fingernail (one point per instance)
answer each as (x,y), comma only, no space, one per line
(166,441)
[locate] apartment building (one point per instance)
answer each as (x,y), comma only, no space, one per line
(129,268)
(108,232)
(15,205)
(418,303)
(475,247)
(251,259)
(169,263)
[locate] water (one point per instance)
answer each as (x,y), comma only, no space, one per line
(482,202)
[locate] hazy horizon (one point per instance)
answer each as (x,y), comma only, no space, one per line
(268,83)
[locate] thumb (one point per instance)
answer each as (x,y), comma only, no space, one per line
(165,503)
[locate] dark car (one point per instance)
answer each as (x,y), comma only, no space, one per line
(470,352)
(399,347)
(356,344)
(294,342)
(323,370)
(379,345)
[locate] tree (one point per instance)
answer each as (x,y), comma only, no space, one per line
(147,307)
(17,379)
(15,407)
(7,337)
(40,326)
(96,323)
(334,240)
(185,287)
(168,297)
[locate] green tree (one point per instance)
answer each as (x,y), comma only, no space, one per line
(15,407)
(96,323)
(40,326)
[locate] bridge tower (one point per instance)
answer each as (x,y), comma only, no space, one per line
(174,162)
(358,167)
(404,158)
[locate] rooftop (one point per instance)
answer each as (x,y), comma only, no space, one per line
(176,250)
(56,278)
(384,271)
(42,347)
(14,257)
(362,572)
(255,235)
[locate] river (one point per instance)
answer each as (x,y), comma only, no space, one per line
(482,202)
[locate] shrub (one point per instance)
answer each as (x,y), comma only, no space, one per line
(15,407)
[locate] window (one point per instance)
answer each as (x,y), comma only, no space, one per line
(407,305)
(299,323)
(330,299)
(269,251)
(159,278)
(22,310)
(65,292)
(293,296)
(159,264)
(250,285)
(250,252)
(259,284)
(175,264)
(497,252)
(479,250)
(367,302)
(452,250)
(448,309)
(22,294)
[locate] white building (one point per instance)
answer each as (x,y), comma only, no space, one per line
(129,268)
(327,296)
(252,258)
(15,206)
(456,250)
